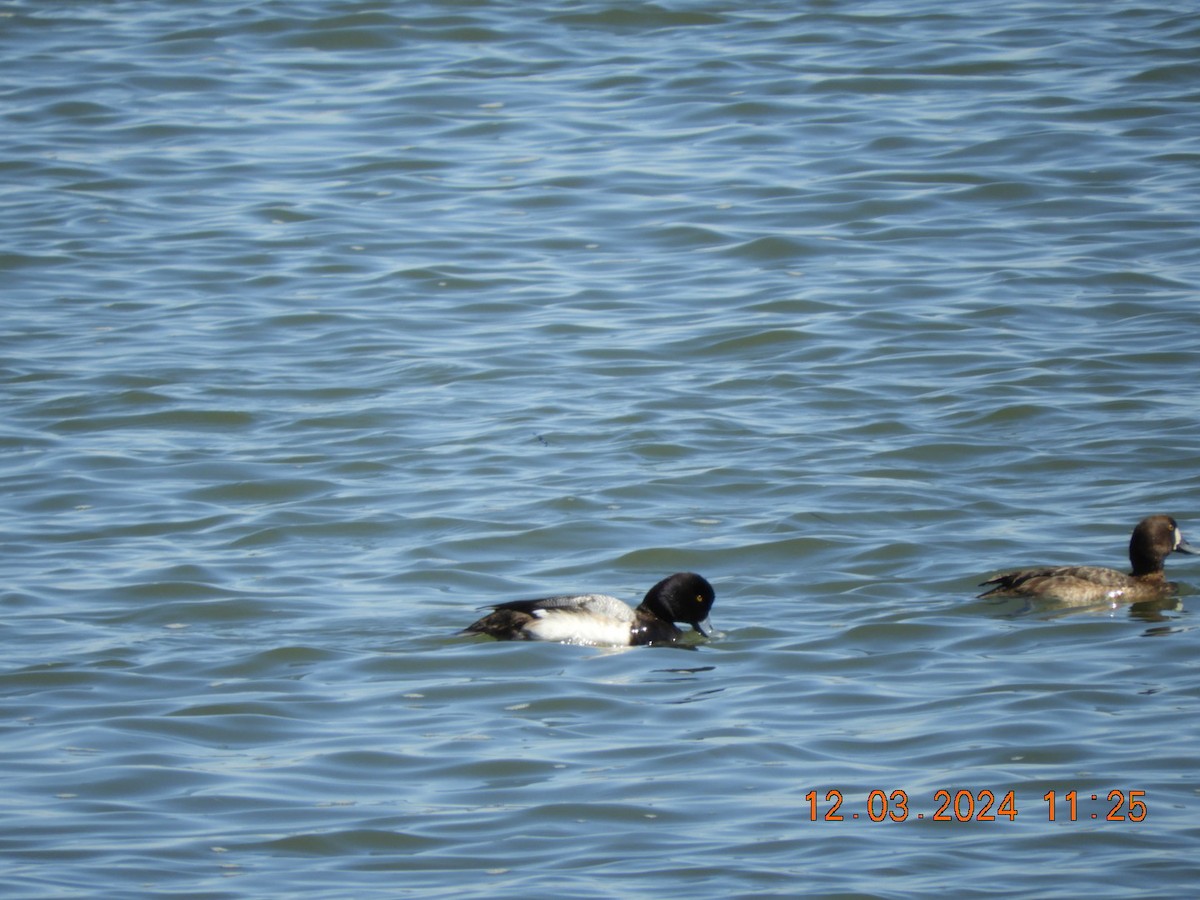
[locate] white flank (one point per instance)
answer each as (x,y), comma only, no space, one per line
(578,627)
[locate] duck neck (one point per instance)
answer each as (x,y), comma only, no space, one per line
(1146,569)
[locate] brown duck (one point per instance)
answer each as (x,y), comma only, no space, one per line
(1153,540)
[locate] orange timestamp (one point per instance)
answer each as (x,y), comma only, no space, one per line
(984,805)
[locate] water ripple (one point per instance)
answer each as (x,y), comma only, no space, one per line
(327,324)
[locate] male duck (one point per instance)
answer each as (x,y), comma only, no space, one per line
(598,619)
(1154,538)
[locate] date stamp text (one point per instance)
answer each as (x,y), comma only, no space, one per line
(963,805)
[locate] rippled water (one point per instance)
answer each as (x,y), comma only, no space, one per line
(327,323)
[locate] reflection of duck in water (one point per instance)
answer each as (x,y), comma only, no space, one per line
(598,619)
(1153,540)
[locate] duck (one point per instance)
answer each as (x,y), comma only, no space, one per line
(1152,541)
(603,620)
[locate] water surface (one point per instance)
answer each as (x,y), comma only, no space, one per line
(327,323)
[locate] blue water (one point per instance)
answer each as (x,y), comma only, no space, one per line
(326,323)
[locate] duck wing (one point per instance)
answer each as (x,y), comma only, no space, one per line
(601,605)
(1071,582)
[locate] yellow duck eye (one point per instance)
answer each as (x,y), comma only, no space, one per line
(699,598)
